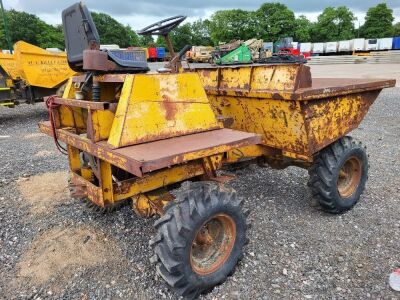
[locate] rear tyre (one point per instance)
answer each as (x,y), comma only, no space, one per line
(200,238)
(338,175)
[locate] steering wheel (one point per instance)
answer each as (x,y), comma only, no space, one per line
(162,27)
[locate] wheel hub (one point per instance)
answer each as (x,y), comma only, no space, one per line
(213,244)
(349,177)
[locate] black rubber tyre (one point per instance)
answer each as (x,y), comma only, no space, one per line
(196,206)
(338,175)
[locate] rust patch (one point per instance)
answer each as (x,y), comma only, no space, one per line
(99,149)
(277,96)
(206,73)
(169,107)
(303,78)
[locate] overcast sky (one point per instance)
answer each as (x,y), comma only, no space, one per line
(140,13)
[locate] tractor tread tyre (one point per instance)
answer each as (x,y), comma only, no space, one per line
(324,174)
(196,203)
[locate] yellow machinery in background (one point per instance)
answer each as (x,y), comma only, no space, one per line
(31,73)
(200,54)
(139,136)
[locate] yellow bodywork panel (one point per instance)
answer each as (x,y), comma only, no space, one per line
(41,68)
(102,121)
(257,79)
(74,117)
(326,120)
(280,122)
(69,91)
(159,179)
(10,65)
(273,101)
(239,154)
(159,106)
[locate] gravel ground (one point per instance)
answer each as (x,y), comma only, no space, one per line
(295,250)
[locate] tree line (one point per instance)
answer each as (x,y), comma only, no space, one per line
(270,22)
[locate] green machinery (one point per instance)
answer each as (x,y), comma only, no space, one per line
(241,55)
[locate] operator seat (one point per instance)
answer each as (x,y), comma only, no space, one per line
(82,44)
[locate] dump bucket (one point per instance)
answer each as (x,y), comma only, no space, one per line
(10,66)
(41,68)
(294,113)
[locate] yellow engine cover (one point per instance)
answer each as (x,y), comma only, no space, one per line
(160,106)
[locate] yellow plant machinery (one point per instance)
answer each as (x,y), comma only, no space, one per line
(141,136)
(31,73)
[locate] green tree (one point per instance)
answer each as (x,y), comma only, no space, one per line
(396,29)
(274,21)
(51,37)
(303,28)
(146,41)
(233,24)
(378,22)
(29,28)
(113,32)
(334,24)
(201,33)
(180,37)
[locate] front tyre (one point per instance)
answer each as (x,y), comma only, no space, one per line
(338,175)
(200,238)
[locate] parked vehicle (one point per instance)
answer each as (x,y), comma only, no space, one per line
(318,48)
(158,145)
(200,54)
(31,73)
(396,43)
(345,46)
(371,44)
(305,47)
(331,47)
(385,44)
(160,53)
(152,53)
(359,45)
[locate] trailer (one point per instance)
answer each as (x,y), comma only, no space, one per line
(305,47)
(358,45)
(331,47)
(318,48)
(371,44)
(396,43)
(385,43)
(345,46)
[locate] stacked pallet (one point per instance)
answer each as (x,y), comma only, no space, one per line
(376,57)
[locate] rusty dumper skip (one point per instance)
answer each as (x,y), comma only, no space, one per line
(137,135)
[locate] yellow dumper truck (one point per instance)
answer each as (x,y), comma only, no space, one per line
(157,140)
(31,73)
